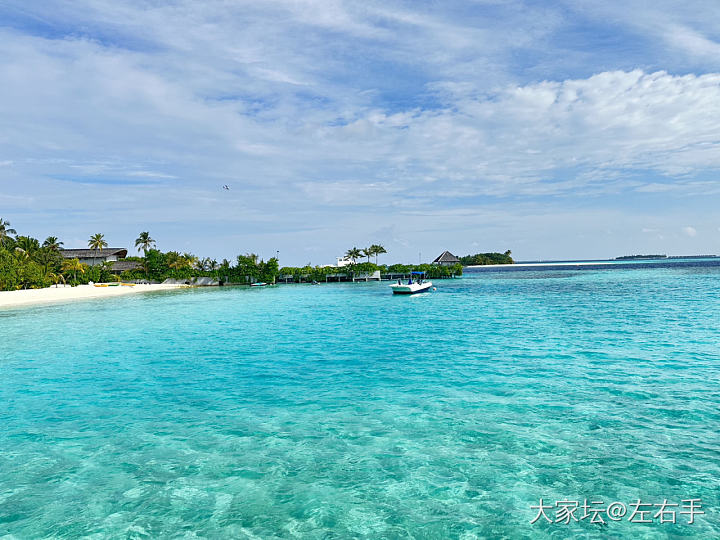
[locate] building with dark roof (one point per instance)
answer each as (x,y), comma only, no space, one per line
(119,267)
(93,257)
(446,259)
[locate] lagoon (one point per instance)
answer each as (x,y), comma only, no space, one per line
(342,411)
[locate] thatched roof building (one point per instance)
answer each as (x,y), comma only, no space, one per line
(119,267)
(446,259)
(93,257)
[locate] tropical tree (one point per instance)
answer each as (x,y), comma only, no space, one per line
(144,242)
(377,249)
(52,243)
(21,253)
(353,254)
(368,252)
(105,271)
(174,260)
(74,266)
(56,278)
(191,261)
(97,242)
(48,259)
(27,245)
(5,231)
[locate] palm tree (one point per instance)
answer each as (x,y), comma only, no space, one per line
(368,252)
(5,231)
(189,260)
(377,249)
(52,243)
(144,242)
(21,254)
(26,247)
(97,242)
(202,264)
(56,278)
(74,266)
(353,254)
(174,260)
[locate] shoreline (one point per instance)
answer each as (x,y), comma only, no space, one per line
(520,265)
(53,295)
(613,262)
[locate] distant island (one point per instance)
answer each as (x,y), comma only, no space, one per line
(636,257)
(482,259)
(693,256)
(642,257)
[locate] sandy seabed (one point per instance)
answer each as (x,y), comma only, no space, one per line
(81,292)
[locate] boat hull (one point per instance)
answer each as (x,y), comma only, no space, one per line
(413,288)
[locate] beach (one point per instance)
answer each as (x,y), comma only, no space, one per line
(51,295)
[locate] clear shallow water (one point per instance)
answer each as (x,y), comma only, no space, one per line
(340,411)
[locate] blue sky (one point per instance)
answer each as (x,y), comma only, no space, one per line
(556,129)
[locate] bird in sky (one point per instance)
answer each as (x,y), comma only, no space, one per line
(226,187)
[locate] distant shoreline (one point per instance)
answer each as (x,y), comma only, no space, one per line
(53,295)
(604,262)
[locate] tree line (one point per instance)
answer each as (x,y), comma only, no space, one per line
(487,258)
(353,254)
(27,263)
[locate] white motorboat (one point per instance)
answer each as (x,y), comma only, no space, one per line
(416,284)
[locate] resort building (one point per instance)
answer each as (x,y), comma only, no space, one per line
(94,257)
(446,259)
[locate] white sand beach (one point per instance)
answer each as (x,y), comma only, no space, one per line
(65,294)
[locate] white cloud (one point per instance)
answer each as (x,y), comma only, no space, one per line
(689,231)
(339,111)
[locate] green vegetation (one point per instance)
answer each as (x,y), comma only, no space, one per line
(159,266)
(97,242)
(25,263)
(374,250)
(144,242)
(359,270)
(353,254)
(487,258)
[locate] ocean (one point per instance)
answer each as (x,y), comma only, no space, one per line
(342,411)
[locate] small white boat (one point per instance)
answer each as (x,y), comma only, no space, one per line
(259,284)
(412,286)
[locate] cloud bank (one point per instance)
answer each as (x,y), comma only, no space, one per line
(337,124)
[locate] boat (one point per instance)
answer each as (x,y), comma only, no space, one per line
(259,284)
(415,284)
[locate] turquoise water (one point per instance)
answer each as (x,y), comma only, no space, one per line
(340,411)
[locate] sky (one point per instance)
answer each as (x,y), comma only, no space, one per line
(556,129)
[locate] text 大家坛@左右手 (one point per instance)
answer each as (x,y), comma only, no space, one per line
(566,511)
